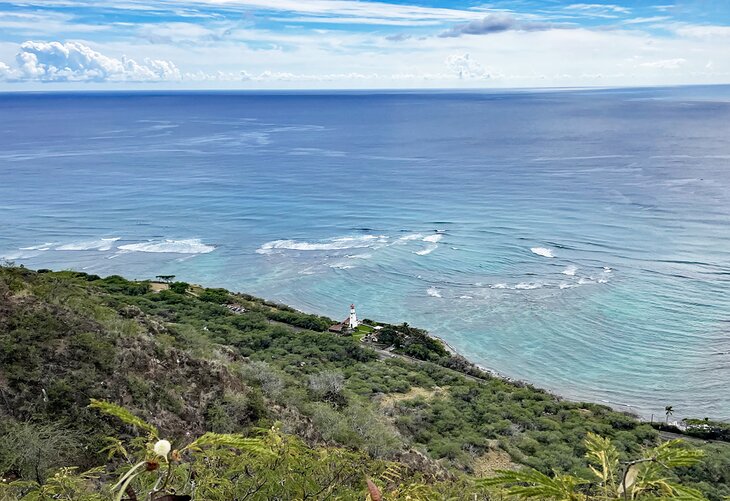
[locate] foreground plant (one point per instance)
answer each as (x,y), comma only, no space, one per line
(648,477)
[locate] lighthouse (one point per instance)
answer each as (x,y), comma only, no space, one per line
(353,317)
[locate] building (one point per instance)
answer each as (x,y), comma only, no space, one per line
(353,323)
(347,325)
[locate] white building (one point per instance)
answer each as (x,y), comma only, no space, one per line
(352,322)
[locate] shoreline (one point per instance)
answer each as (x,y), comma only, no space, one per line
(625,408)
(618,407)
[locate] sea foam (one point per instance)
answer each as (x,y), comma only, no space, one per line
(340,243)
(542,251)
(527,286)
(103,244)
(433,238)
(570,270)
(433,292)
(427,250)
(187,246)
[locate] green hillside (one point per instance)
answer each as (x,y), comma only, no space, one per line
(291,410)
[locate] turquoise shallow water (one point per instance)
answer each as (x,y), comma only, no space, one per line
(578,239)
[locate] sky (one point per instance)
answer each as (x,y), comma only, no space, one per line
(360,44)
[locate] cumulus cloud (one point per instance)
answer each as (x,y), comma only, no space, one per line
(465,67)
(494,23)
(76,62)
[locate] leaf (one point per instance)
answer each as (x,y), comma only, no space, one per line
(374,491)
(123,415)
(534,484)
(254,445)
(602,452)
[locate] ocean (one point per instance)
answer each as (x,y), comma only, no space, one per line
(575,239)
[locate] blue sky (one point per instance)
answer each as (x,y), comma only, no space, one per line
(78,44)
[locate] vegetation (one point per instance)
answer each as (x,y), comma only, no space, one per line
(183,366)
(647,476)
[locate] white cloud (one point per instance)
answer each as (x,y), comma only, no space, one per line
(327,8)
(665,64)
(703,31)
(465,67)
(643,20)
(598,10)
(76,62)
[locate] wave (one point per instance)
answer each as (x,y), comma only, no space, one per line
(527,286)
(340,243)
(41,247)
(103,244)
(542,251)
(341,266)
(410,237)
(433,292)
(359,256)
(570,270)
(434,238)
(498,286)
(427,250)
(187,246)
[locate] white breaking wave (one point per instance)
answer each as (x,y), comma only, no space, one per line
(433,292)
(412,236)
(433,238)
(359,256)
(466,297)
(432,244)
(607,269)
(567,286)
(499,286)
(42,247)
(187,246)
(103,244)
(542,251)
(570,270)
(427,250)
(341,243)
(527,286)
(341,266)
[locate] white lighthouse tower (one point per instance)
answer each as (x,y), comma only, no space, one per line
(353,317)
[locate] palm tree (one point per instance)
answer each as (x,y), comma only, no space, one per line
(669,410)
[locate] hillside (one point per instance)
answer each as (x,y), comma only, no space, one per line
(188,364)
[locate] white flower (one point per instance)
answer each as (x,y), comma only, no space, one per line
(162,448)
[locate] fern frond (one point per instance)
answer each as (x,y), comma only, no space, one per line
(534,484)
(392,474)
(673,453)
(603,453)
(684,493)
(123,415)
(254,445)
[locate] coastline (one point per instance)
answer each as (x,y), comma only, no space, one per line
(616,406)
(624,408)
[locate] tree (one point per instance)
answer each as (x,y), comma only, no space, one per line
(166,278)
(669,410)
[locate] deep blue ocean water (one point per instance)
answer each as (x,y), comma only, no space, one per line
(579,240)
